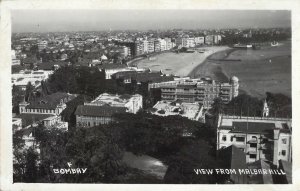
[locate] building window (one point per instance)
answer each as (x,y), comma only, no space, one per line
(283,152)
(240,139)
(253,145)
(253,156)
(231,138)
(89,124)
(283,141)
(224,138)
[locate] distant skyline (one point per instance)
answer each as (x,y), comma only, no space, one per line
(97,20)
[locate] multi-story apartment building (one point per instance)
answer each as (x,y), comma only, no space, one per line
(163,44)
(217,39)
(126,51)
(169,43)
(145,46)
(157,45)
(139,47)
(260,138)
(213,39)
(102,109)
(188,42)
(150,45)
(199,40)
(209,39)
(202,90)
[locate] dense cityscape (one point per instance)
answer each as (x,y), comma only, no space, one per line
(134,106)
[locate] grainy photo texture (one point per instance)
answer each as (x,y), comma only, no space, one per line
(151,96)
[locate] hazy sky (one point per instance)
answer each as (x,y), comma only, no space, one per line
(89,20)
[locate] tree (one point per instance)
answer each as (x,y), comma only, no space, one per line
(280,105)
(217,106)
(31,167)
(18,157)
(29,91)
(195,155)
(245,105)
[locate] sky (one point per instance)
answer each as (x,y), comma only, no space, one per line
(97,20)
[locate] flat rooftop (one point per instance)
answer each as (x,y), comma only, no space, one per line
(253,124)
(113,99)
(189,110)
(191,82)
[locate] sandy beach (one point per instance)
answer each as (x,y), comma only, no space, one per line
(181,64)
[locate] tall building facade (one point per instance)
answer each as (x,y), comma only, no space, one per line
(150,45)
(202,90)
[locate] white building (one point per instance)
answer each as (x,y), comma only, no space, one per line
(163,45)
(193,111)
(145,46)
(132,103)
(150,45)
(264,138)
(188,42)
(22,78)
(199,40)
(51,104)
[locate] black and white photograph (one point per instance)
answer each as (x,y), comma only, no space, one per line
(151,96)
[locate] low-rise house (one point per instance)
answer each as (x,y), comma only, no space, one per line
(93,115)
(104,107)
(49,104)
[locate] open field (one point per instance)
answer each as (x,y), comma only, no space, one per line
(259,71)
(180,64)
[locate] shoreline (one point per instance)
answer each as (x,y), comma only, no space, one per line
(203,66)
(181,64)
(259,71)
